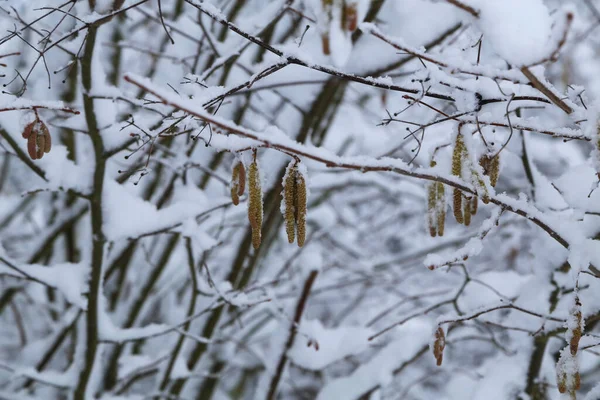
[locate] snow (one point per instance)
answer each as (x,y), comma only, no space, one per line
(379,369)
(70,279)
(334,344)
(518,30)
(364,147)
(129,216)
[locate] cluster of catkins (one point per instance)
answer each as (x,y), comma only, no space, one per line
(38,138)
(293,203)
(464,205)
(567,370)
(348,19)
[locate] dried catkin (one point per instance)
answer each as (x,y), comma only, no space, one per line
(289,200)
(38,138)
(238,182)
(351,12)
(325,43)
(255,203)
(40,145)
(438,345)
(301,196)
(32,146)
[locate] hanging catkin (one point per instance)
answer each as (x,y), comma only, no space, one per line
(238,182)
(301,196)
(491,166)
(432,209)
(289,200)
(458,156)
(438,345)
(38,138)
(255,202)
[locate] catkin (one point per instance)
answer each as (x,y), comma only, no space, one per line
(38,138)
(301,209)
(289,201)
(238,182)
(466,211)
(458,156)
(32,146)
(494,170)
(561,380)
(457,205)
(47,138)
(474,205)
(577,330)
(255,203)
(40,144)
(325,43)
(438,345)
(491,167)
(431,209)
(351,12)
(28,129)
(441,208)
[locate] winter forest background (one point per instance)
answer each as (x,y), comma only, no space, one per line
(299,199)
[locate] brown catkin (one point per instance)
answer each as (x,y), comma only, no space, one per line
(32,145)
(577,381)
(301,209)
(438,345)
(238,182)
(325,43)
(289,201)
(577,331)
(255,203)
(28,129)
(38,138)
(47,138)
(457,205)
(351,16)
(40,144)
